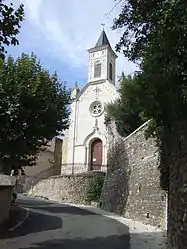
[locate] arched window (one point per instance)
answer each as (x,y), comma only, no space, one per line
(97,69)
(110,72)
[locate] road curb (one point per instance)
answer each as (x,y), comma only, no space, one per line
(21,222)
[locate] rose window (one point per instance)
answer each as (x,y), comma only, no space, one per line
(96,108)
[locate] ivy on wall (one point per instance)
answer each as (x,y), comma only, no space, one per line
(94,188)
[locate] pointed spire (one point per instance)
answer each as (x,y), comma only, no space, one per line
(103,40)
(75,90)
(121,77)
(76,85)
(121,80)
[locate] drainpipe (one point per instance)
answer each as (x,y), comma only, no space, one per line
(74,137)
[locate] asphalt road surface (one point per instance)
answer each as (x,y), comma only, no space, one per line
(57,226)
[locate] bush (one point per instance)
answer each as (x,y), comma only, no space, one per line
(94,188)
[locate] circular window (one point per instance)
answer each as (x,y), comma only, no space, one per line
(96,108)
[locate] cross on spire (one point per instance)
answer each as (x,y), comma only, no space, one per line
(97,90)
(103,24)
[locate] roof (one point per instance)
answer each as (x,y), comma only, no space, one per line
(103,40)
(102,43)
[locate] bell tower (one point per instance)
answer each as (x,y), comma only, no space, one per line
(102,61)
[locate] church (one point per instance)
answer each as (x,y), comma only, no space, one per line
(85,144)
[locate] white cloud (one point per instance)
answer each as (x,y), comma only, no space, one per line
(68,28)
(33,9)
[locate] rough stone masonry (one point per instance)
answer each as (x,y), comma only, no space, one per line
(131,187)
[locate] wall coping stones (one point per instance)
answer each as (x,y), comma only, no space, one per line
(137,130)
(83,174)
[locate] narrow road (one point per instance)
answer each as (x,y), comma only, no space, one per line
(57,226)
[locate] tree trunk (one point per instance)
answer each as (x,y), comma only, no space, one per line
(177,194)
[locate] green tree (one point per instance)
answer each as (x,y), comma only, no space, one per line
(158,29)
(127,111)
(155,33)
(10,23)
(33,109)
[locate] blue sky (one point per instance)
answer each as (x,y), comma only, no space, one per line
(59,32)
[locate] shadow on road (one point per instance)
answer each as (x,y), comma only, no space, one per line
(138,241)
(30,201)
(110,242)
(36,222)
(51,207)
(48,228)
(59,209)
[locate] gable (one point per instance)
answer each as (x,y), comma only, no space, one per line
(87,86)
(94,90)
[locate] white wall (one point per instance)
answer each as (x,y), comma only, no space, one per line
(79,150)
(82,128)
(105,56)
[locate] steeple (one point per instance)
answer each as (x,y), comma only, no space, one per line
(102,61)
(103,40)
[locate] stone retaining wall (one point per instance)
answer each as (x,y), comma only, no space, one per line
(64,188)
(78,168)
(132,185)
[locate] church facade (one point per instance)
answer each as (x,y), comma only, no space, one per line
(85,145)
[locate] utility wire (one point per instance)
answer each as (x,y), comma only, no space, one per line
(110,11)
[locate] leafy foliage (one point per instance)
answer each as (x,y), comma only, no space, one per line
(94,188)
(10,23)
(155,35)
(126,110)
(33,108)
(141,21)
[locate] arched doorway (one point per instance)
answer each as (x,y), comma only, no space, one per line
(96,154)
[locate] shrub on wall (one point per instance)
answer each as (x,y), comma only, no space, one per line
(94,188)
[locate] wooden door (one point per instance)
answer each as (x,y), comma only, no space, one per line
(96,154)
